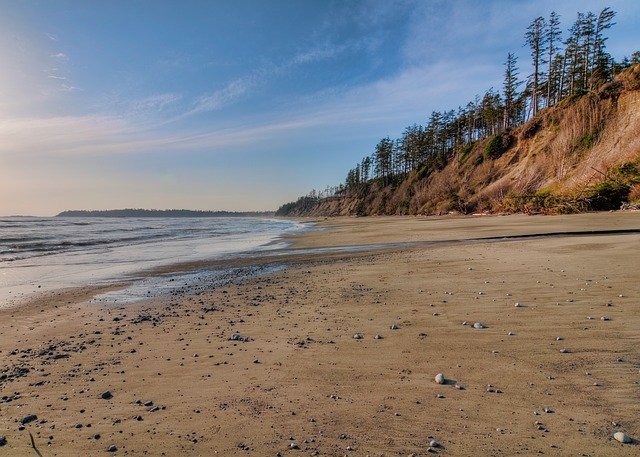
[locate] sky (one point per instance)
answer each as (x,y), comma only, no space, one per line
(237,105)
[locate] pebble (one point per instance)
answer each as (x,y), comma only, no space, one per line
(604,318)
(478,325)
(357,336)
(434,443)
(622,437)
(377,337)
(394,327)
(548,410)
(440,379)
(518,305)
(3,440)
(294,446)
(106,395)
(112,448)
(510,333)
(564,351)
(28,418)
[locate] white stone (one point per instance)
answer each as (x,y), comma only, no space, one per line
(440,379)
(622,437)
(478,325)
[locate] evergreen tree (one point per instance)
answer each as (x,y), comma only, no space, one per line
(537,41)
(510,90)
(601,59)
(552,33)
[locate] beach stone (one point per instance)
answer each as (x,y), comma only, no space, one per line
(518,305)
(479,325)
(394,327)
(434,443)
(236,337)
(112,448)
(3,440)
(358,336)
(604,318)
(294,446)
(564,351)
(622,437)
(440,379)
(28,418)
(377,337)
(107,395)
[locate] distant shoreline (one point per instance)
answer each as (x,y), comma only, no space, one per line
(128,212)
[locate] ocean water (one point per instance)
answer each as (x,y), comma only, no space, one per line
(43,254)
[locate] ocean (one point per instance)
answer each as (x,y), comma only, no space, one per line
(44,254)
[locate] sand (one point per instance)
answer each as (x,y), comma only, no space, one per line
(298,375)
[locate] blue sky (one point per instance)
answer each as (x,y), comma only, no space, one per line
(236,104)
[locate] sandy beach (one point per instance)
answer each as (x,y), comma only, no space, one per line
(337,353)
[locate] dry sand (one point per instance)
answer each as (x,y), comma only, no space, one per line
(301,377)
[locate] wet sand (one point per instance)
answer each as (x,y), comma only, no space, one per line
(253,366)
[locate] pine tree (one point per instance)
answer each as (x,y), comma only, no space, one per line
(536,40)
(587,33)
(601,59)
(553,34)
(510,90)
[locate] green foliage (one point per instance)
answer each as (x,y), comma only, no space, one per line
(586,141)
(498,145)
(300,206)
(466,150)
(607,195)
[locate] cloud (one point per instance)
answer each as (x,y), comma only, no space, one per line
(97,135)
(157,102)
(222,97)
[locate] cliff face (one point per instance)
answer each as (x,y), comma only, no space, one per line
(582,154)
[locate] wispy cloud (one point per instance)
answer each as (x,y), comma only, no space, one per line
(98,135)
(221,98)
(154,103)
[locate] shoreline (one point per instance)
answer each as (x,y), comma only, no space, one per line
(298,372)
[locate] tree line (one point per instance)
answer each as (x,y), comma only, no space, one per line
(561,68)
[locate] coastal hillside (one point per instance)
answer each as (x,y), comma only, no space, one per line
(579,155)
(565,139)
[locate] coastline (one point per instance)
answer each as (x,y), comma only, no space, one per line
(300,373)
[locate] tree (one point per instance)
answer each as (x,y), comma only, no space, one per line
(572,56)
(384,159)
(536,40)
(601,59)
(552,35)
(510,90)
(587,33)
